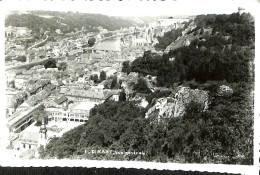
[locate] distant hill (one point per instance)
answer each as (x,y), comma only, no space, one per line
(146,20)
(66,21)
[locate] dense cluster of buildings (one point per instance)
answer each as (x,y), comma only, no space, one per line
(67,94)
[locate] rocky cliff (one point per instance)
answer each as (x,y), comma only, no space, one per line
(188,35)
(184,39)
(187,95)
(224,90)
(174,107)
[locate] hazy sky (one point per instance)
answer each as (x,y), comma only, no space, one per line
(137,7)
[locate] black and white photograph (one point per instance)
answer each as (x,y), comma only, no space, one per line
(169,82)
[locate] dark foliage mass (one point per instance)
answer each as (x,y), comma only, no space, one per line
(91,42)
(141,86)
(21,58)
(157,94)
(94,78)
(51,63)
(214,58)
(168,38)
(102,75)
(105,127)
(126,67)
(71,20)
(221,134)
(40,116)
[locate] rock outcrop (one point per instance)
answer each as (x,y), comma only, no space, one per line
(186,95)
(188,35)
(224,91)
(165,107)
(183,40)
(175,107)
(139,101)
(128,82)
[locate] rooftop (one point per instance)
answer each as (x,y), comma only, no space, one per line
(33,100)
(86,93)
(20,115)
(30,134)
(60,99)
(84,105)
(43,94)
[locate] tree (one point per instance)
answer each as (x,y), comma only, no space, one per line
(91,42)
(40,115)
(51,63)
(21,58)
(126,67)
(141,86)
(168,38)
(102,75)
(193,110)
(114,84)
(63,66)
(202,31)
(94,78)
(122,96)
(157,94)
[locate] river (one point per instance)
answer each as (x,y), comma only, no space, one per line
(112,44)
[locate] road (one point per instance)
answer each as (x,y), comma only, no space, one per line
(39,43)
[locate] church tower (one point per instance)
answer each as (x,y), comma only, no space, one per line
(241,10)
(42,135)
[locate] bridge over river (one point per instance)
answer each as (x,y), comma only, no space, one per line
(110,43)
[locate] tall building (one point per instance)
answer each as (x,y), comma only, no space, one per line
(42,135)
(241,10)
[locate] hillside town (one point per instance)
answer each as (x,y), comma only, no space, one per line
(157,89)
(52,84)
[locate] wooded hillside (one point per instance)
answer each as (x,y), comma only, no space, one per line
(221,134)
